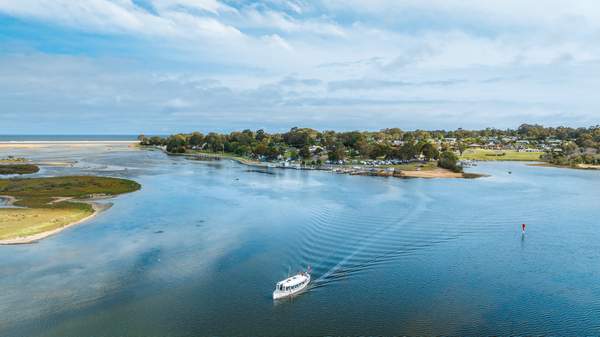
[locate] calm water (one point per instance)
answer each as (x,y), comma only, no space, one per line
(198,250)
(26,138)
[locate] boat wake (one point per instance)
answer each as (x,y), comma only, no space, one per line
(345,266)
(342,241)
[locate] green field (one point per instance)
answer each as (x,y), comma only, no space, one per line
(46,204)
(18,169)
(508,155)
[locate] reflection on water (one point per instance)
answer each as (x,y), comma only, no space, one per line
(198,250)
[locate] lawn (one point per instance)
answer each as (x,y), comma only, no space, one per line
(508,155)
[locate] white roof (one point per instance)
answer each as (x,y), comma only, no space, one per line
(294,280)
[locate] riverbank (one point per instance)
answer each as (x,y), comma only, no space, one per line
(63,143)
(576,167)
(426,174)
(40,207)
(427,171)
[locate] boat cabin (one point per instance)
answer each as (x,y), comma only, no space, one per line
(291,285)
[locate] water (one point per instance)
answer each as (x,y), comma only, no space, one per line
(63,138)
(198,250)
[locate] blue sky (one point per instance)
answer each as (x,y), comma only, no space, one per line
(162,66)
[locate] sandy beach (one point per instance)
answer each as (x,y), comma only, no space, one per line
(577,167)
(589,167)
(426,174)
(66,143)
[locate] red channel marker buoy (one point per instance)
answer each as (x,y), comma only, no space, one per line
(523,228)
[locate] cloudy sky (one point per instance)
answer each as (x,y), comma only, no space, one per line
(161,66)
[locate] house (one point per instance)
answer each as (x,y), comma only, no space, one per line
(315,149)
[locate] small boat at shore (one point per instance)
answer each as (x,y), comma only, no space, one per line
(292,285)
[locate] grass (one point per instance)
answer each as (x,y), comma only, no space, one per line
(12,160)
(18,169)
(38,195)
(23,222)
(505,155)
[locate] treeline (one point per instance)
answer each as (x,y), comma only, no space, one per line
(304,144)
(581,146)
(578,145)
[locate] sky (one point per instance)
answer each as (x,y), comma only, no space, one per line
(165,66)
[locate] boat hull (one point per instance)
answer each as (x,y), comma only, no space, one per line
(280,294)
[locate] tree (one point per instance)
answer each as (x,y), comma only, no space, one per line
(408,151)
(243,150)
(304,152)
(461,147)
(429,151)
(156,140)
(196,139)
(261,149)
(215,142)
(378,150)
(337,153)
(260,135)
(449,160)
(273,152)
(363,148)
(176,144)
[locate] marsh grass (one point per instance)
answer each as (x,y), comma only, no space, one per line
(18,169)
(41,210)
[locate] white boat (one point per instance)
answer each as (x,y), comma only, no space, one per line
(291,285)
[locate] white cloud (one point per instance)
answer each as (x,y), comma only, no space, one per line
(283,60)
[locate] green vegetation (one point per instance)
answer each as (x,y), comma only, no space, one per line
(508,155)
(584,151)
(577,147)
(18,169)
(25,222)
(308,146)
(12,160)
(449,161)
(311,147)
(47,202)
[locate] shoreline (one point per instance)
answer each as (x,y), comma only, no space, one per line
(10,200)
(34,144)
(97,209)
(437,173)
(586,167)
